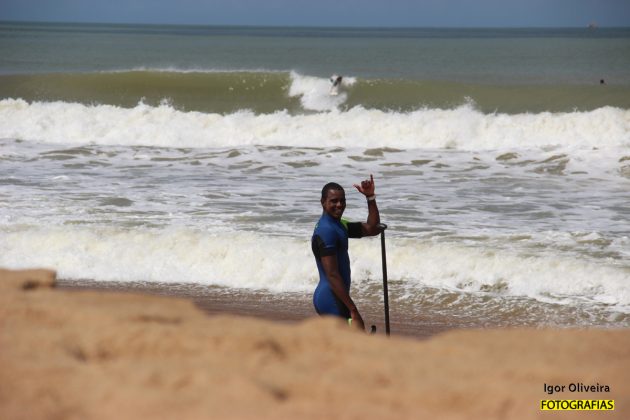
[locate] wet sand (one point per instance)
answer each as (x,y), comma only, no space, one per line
(286,307)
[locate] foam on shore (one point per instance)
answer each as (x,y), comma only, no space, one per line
(190,256)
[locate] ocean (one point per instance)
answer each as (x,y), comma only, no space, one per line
(195,155)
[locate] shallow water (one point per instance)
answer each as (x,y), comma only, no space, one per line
(505,194)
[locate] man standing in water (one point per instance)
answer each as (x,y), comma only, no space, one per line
(330,247)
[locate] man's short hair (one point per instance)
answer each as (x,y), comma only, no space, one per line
(330,186)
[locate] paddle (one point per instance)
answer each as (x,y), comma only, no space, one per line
(383,226)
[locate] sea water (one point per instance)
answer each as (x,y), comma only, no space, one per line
(196,155)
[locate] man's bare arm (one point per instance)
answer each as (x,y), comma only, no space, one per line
(329,263)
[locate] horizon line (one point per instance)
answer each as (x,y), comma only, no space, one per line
(231,25)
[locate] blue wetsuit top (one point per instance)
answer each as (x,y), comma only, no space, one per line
(331,238)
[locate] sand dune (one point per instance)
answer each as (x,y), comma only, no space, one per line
(102,355)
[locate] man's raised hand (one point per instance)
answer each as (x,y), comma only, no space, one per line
(367,187)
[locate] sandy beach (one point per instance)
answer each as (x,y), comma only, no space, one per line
(87,354)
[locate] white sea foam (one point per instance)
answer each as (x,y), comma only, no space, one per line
(461,128)
(286,264)
(547,278)
(315,92)
(172,255)
(191,70)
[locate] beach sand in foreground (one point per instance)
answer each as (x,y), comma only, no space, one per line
(104,355)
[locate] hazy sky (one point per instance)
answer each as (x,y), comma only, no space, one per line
(458,13)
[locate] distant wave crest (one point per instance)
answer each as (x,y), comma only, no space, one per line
(463,128)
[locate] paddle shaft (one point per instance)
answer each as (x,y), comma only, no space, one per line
(385,290)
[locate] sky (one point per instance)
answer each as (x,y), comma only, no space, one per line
(374,13)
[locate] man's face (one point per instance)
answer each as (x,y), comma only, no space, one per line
(335,203)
